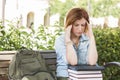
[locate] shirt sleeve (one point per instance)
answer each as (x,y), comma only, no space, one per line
(60,49)
(87,53)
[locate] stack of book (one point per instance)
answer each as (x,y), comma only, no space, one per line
(76,74)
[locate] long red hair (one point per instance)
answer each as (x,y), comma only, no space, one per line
(76,14)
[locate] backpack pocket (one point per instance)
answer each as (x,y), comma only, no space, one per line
(39,76)
(29,66)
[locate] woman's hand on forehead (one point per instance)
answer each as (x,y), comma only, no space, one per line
(89,32)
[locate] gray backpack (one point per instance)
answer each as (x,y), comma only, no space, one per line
(29,65)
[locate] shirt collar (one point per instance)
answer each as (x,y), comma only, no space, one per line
(84,37)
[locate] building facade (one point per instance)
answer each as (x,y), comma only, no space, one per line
(28,13)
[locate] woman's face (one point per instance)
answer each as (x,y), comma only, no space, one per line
(78,27)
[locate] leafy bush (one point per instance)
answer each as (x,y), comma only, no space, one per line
(14,38)
(108,43)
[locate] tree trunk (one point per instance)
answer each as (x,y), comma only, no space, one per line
(3,12)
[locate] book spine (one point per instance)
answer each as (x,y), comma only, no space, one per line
(72,78)
(84,75)
(83,72)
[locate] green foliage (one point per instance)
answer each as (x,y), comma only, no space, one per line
(108,43)
(96,8)
(56,6)
(45,38)
(104,8)
(14,38)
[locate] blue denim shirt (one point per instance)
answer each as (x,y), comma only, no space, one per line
(60,48)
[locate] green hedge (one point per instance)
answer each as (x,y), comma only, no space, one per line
(14,38)
(108,46)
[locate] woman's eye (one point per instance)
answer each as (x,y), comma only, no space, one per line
(76,25)
(83,25)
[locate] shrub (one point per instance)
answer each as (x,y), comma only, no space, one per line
(108,43)
(14,38)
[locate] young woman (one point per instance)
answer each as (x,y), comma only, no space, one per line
(77,45)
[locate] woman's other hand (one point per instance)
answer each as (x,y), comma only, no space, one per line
(92,51)
(89,32)
(68,34)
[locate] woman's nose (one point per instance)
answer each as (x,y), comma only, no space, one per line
(80,28)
